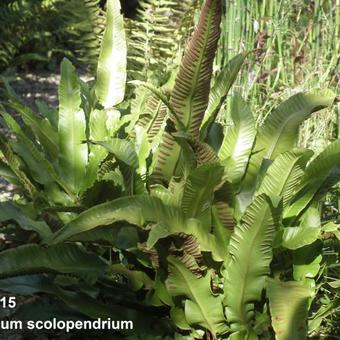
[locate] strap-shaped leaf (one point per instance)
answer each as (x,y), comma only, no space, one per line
(279,132)
(248,265)
(137,210)
(121,149)
(199,188)
(321,172)
(73,152)
(220,90)
(190,96)
(165,159)
(238,141)
(191,92)
(111,72)
(288,302)
(201,307)
(134,209)
(63,258)
(284,175)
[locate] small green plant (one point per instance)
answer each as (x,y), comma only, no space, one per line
(209,231)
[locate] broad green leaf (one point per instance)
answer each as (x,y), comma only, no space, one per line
(202,308)
(121,149)
(306,233)
(134,209)
(159,295)
(248,265)
(178,317)
(73,153)
(321,174)
(238,141)
(284,175)
(279,131)
(199,188)
(63,258)
(306,262)
(111,72)
(166,195)
(137,210)
(11,211)
(288,303)
(306,272)
(157,232)
(219,92)
(191,91)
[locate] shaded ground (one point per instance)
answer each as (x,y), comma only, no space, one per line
(42,85)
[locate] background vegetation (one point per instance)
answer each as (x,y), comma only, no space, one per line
(294,47)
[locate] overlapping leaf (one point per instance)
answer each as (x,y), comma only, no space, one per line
(202,308)
(250,256)
(288,302)
(279,132)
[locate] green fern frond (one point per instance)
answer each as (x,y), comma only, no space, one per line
(157,37)
(84,22)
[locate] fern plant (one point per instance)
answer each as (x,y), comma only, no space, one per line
(208,230)
(157,38)
(26,26)
(82,25)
